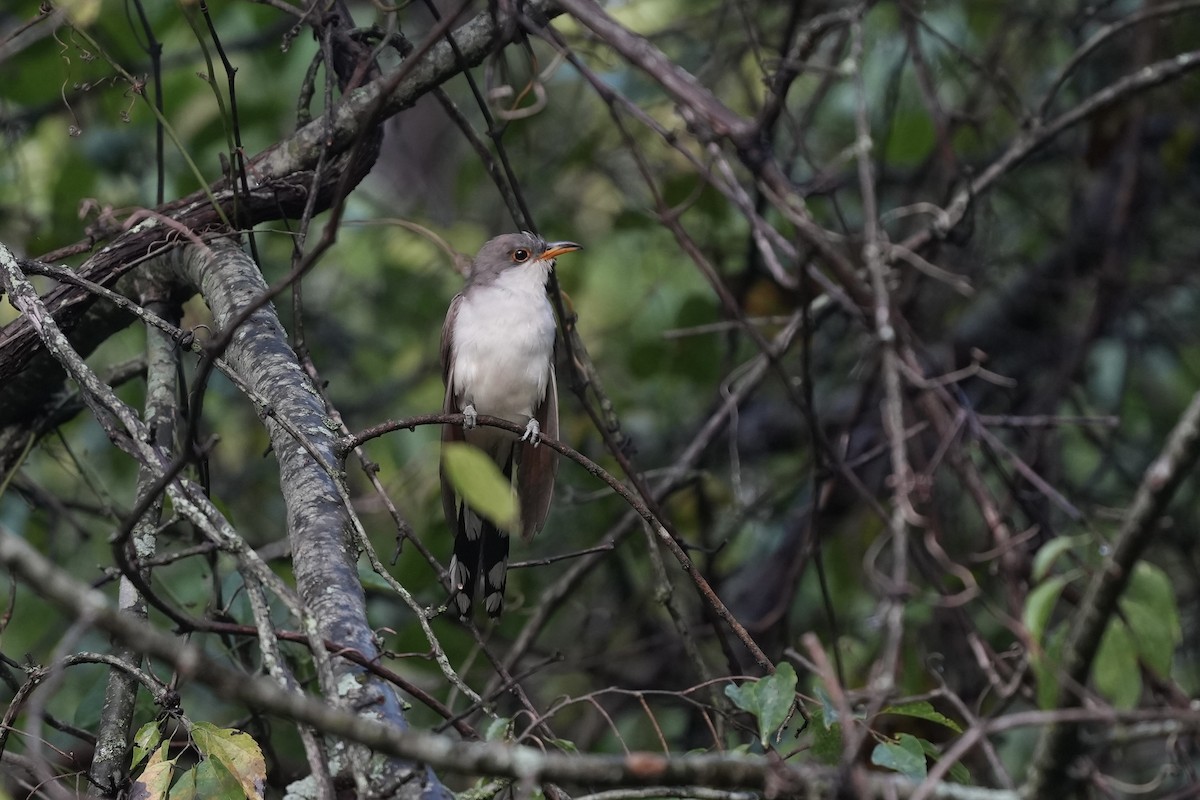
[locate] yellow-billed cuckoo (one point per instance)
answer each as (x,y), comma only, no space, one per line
(498,359)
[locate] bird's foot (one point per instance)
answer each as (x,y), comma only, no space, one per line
(533,432)
(470,417)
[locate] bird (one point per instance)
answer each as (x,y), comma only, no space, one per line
(497,357)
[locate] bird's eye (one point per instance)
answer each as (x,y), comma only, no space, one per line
(520,255)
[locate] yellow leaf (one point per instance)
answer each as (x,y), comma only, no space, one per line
(237,752)
(155,779)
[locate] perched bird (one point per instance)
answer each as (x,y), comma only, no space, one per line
(498,359)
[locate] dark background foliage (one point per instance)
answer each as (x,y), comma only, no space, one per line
(886,310)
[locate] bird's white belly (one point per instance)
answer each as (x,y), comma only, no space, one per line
(504,344)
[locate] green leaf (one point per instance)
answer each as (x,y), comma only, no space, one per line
(155,779)
(743,696)
(922,710)
(827,740)
(481,484)
(82,12)
(769,699)
(829,712)
(214,782)
(145,740)
(236,752)
(778,695)
(185,787)
(906,755)
(370,579)
(498,729)
(958,773)
(1148,605)
(912,137)
(1116,670)
(1040,603)
(1050,552)
(1046,666)
(1046,661)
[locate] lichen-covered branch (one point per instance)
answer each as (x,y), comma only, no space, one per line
(110,761)
(324,555)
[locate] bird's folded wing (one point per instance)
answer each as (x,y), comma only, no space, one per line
(538,466)
(450,433)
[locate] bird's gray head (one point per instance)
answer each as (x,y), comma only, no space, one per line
(515,251)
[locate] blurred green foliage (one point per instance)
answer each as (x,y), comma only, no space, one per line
(1111,331)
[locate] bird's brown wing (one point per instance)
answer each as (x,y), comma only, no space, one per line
(448,337)
(538,466)
(450,433)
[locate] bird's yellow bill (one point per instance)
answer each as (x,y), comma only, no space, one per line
(556,249)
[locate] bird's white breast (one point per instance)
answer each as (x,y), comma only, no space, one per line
(504,344)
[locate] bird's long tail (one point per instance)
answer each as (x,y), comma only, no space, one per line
(480,556)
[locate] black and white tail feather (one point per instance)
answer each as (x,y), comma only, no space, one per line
(480,556)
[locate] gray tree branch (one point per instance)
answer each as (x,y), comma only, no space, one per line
(324,556)
(110,763)
(440,751)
